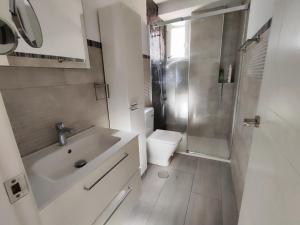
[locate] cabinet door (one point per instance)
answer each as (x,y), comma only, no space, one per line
(119,209)
(61,26)
(120,29)
(114,46)
(133,54)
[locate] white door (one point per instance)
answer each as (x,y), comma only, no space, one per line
(272,189)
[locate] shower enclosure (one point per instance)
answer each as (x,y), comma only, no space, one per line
(194,87)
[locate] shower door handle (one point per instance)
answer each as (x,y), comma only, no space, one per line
(252,121)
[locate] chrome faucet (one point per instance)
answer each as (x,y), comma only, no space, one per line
(61,132)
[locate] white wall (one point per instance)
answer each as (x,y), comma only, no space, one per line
(169,10)
(24,211)
(271,195)
(172,6)
(90,8)
(260,12)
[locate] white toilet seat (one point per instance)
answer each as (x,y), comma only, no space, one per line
(161,146)
(166,136)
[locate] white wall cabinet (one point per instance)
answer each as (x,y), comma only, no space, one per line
(120,30)
(62,27)
(90,8)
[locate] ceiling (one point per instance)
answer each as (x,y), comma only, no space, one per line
(171,9)
(160,1)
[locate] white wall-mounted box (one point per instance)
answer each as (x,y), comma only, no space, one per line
(62,27)
(120,30)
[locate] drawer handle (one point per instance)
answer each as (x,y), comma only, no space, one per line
(107,172)
(134,107)
(129,189)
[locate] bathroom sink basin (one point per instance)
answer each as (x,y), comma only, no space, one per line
(54,169)
(75,155)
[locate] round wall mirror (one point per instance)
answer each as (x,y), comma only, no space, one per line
(26,22)
(8,38)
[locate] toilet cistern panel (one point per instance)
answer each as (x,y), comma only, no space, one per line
(149,120)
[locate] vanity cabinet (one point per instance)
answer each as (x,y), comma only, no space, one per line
(120,29)
(123,202)
(103,196)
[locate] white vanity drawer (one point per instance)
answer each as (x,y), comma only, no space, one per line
(83,203)
(120,207)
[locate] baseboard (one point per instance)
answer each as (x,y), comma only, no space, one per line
(200,155)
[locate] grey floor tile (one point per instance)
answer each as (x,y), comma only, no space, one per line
(171,206)
(229,208)
(152,186)
(197,192)
(207,179)
(184,163)
(203,211)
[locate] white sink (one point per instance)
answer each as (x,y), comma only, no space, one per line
(51,170)
(84,149)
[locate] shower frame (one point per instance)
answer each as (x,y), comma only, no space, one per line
(201,15)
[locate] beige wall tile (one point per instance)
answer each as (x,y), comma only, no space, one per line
(37,98)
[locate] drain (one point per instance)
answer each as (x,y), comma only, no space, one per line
(80,163)
(163,174)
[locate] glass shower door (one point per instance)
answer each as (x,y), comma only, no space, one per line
(176,78)
(208,123)
(188,88)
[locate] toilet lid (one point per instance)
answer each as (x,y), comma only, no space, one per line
(171,137)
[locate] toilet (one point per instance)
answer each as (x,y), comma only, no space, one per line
(161,144)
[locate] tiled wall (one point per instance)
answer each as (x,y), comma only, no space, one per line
(37,98)
(230,55)
(249,90)
(147,81)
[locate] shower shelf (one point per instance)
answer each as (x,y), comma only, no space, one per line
(225,83)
